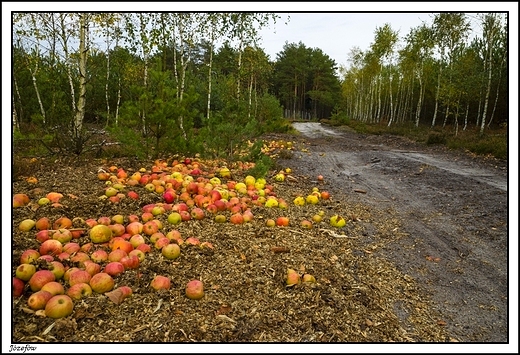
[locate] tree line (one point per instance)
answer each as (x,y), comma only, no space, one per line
(199,81)
(436,77)
(193,81)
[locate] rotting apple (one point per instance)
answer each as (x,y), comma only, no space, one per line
(25,271)
(99,256)
(293,278)
(195,289)
(29,256)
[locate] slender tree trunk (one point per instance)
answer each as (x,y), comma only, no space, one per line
(498,90)
(83,54)
(118,100)
(35,84)
(16,126)
(210,74)
(419,102)
(106,84)
(466,117)
(66,53)
(391,102)
(437,98)
(18,115)
(488,89)
(250,95)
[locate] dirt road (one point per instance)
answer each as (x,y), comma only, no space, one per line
(453,210)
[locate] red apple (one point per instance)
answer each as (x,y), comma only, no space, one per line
(185,215)
(147,216)
(43,235)
(130,262)
(145,248)
(195,289)
(29,256)
(79,291)
(114,268)
(160,283)
(161,242)
(51,247)
(38,300)
(91,222)
(325,195)
(71,248)
(43,223)
(116,255)
(92,267)
(120,243)
(62,222)
(306,224)
(86,247)
(135,227)
(104,220)
(117,229)
(69,271)
(59,306)
(282,221)
(150,228)
(54,288)
(18,287)
(79,276)
(171,251)
(25,271)
(47,258)
(236,218)
(101,282)
(133,218)
(197,213)
(40,278)
(80,258)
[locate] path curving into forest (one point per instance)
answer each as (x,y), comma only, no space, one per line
(453,209)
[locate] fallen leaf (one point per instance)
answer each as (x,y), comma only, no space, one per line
(224,309)
(74,197)
(441,322)
(117,296)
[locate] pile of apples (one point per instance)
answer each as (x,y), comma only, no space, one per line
(62,271)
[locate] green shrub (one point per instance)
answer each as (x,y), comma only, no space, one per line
(436,138)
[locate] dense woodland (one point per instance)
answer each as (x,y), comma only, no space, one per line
(199,82)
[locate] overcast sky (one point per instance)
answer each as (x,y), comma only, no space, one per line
(335,33)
